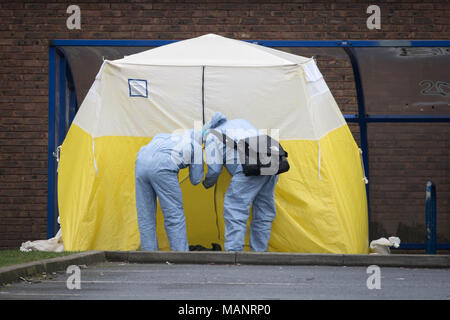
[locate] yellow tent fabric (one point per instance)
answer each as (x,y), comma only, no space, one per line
(321,201)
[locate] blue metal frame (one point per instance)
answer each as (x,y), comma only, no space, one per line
(430,218)
(62,99)
(57,107)
(73,103)
(268,43)
(109,43)
(361,118)
(407,118)
(421,246)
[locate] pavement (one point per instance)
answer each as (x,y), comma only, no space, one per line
(156,281)
(228,275)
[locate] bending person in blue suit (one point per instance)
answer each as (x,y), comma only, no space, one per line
(243,190)
(156,174)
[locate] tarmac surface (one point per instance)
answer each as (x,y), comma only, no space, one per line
(172,281)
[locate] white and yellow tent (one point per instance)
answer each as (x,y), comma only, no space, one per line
(321,201)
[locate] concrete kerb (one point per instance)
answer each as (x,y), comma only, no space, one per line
(399,260)
(13,273)
(192,257)
(280,258)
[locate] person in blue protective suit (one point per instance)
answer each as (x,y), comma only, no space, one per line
(243,190)
(156,174)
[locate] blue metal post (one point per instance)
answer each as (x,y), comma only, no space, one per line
(51,143)
(267,43)
(62,99)
(430,215)
(408,118)
(361,120)
(73,103)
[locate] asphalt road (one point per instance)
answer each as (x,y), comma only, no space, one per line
(233,282)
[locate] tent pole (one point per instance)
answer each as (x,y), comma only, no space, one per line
(203,94)
(362,120)
(62,100)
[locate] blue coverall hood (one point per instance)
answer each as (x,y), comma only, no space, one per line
(217,119)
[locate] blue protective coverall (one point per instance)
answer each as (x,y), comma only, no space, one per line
(156,174)
(243,190)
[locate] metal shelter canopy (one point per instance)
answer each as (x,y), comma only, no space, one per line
(74,63)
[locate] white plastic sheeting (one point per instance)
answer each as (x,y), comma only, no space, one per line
(54,244)
(382,245)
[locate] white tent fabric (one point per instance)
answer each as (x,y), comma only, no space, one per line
(208,50)
(176,91)
(321,201)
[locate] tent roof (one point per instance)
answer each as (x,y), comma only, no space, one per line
(213,50)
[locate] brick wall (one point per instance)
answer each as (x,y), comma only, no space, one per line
(26,27)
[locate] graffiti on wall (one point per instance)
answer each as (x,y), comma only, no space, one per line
(435,88)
